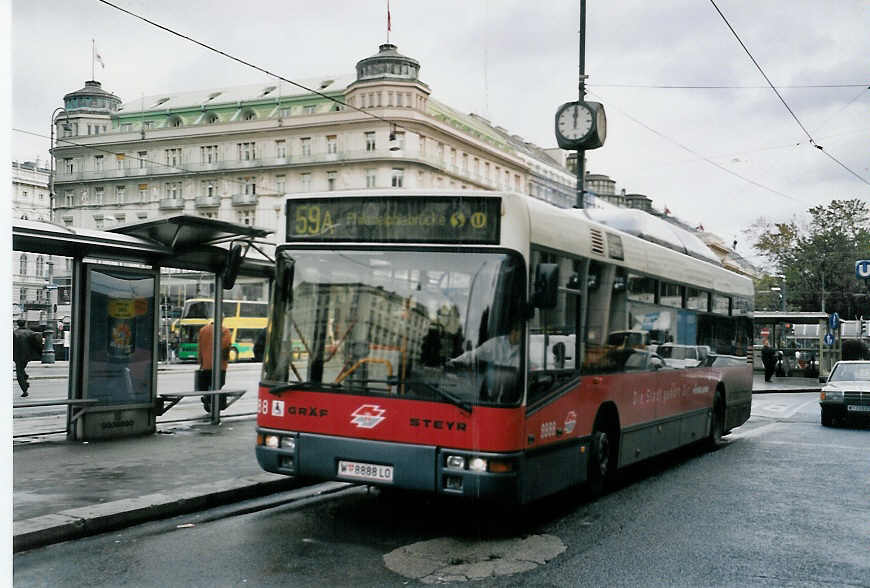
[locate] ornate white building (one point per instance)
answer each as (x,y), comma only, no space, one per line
(30,271)
(232,153)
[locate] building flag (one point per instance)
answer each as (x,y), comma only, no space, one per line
(389,21)
(99,58)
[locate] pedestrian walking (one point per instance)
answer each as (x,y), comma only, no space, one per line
(205,344)
(768,360)
(26,346)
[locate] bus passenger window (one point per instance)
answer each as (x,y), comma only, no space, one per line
(553,332)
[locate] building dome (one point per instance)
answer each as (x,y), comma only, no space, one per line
(92,98)
(388,64)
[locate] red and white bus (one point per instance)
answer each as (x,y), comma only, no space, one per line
(458,343)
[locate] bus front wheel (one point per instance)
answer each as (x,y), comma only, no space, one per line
(601,461)
(717,422)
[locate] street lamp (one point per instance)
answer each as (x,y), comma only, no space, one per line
(48,347)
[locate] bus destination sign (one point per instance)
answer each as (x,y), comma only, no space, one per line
(395,219)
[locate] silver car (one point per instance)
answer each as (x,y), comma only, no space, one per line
(846,393)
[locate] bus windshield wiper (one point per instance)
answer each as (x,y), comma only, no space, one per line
(454,400)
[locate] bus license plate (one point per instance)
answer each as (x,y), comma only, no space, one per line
(854,408)
(365,471)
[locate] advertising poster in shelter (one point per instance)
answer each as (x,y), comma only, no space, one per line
(120,351)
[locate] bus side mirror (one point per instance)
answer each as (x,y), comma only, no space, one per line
(284,274)
(546,286)
(231,266)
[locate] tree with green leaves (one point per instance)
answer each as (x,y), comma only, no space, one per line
(814,265)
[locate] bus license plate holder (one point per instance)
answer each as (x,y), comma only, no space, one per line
(369,472)
(858,408)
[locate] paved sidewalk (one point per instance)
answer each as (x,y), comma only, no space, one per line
(790,384)
(65,490)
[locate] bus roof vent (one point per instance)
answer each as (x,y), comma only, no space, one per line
(597,241)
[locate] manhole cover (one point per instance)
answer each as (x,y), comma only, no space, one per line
(453,560)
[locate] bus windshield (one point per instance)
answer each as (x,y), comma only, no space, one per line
(441,326)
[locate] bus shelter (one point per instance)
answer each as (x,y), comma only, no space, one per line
(809,344)
(112,389)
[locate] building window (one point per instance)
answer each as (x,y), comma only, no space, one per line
(281,149)
(371,178)
(143,193)
(175,122)
(209,153)
(370,141)
(398,176)
(98,222)
(85,196)
(143,157)
(148,124)
(309,109)
(248,185)
(173,157)
(209,188)
(98,162)
(247,151)
(22,265)
(249,115)
(98,195)
(40,266)
(126,127)
(68,164)
(441,152)
(330,180)
(173,190)
(245,217)
(68,198)
(453,157)
(400,139)
(281,184)
(331,144)
(422,145)
(306,146)
(306,182)
(518,184)
(211,119)
(465,163)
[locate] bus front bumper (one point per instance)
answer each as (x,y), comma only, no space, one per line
(494,476)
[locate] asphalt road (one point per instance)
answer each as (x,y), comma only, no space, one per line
(784,503)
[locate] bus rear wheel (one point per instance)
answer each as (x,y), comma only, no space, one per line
(717,422)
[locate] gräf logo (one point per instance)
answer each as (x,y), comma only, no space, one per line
(368,416)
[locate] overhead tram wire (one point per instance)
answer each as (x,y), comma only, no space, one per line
(722,87)
(249,64)
(701,156)
(781,99)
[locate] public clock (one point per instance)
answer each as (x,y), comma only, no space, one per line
(581,125)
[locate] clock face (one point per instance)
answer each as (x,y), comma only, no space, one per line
(575,121)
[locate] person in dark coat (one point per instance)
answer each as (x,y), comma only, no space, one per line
(768,359)
(26,345)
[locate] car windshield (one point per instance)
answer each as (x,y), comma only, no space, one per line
(851,372)
(427,325)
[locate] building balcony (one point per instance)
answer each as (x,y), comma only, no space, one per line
(171,204)
(244,199)
(208,201)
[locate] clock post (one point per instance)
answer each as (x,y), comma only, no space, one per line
(581,125)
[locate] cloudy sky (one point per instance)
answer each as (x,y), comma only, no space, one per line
(721,157)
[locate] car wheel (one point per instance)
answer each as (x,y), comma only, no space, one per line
(827,418)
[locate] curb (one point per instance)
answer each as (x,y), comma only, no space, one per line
(76,523)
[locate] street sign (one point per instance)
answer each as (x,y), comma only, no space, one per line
(862,269)
(829,339)
(834,321)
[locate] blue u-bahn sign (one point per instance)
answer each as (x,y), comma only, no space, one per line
(862,269)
